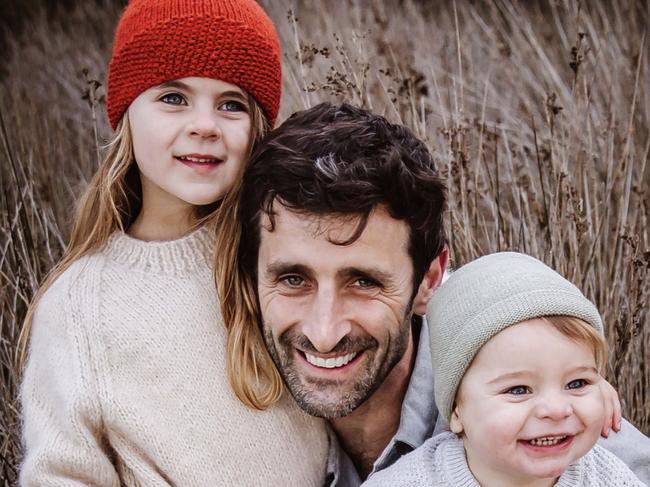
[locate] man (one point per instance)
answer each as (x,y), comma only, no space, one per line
(342,235)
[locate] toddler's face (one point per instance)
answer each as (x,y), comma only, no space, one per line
(529,405)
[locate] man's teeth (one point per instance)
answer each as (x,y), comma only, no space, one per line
(547,440)
(330,363)
(202,160)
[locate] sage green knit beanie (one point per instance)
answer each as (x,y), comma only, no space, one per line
(486,296)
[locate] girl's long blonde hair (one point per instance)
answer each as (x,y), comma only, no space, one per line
(112,201)
(251,370)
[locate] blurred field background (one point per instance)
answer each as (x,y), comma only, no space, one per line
(537,113)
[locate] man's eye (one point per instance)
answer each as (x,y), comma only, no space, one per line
(293,281)
(518,390)
(577,384)
(173,99)
(233,106)
(365,283)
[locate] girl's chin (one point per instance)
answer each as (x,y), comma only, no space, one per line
(202,200)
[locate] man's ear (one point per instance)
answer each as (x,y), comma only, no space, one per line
(455,424)
(430,282)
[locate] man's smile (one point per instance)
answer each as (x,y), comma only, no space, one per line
(330,362)
(332,366)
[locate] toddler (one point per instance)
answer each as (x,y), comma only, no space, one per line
(517,354)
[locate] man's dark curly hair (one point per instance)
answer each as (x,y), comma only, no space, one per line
(341,160)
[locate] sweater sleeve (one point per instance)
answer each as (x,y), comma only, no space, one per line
(632,447)
(62,421)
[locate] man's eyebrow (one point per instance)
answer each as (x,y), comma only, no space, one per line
(366,272)
(279,268)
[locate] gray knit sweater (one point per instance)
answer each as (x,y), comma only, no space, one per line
(441,461)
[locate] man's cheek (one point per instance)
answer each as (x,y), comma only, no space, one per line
(274,318)
(267,296)
(381,321)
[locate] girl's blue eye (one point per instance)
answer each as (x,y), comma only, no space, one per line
(577,384)
(518,390)
(233,106)
(173,99)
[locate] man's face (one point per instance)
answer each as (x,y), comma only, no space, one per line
(336,318)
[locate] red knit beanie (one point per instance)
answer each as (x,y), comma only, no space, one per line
(161,40)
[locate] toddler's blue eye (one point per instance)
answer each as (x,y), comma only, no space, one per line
(577,384)
(173,99)
(518,390)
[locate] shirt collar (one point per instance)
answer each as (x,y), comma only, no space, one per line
(419,411)
(417,421)
(341,472)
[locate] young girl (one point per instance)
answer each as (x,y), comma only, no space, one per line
(517,353)
(126,381)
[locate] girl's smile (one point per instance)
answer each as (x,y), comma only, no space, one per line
(203,163)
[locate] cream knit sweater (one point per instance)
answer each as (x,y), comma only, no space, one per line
(441,462)
(126,382)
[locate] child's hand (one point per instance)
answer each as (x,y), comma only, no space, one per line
(612,408)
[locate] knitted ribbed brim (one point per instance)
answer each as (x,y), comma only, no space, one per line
(481,299)
(162,40)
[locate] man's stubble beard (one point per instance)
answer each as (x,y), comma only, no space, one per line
(346,402)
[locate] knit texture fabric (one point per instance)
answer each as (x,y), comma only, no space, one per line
(126,381)
(483,298)
(441,461)
(162,40)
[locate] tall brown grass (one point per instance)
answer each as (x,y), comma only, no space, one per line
(537,113)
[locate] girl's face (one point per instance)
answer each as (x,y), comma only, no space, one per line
(190,139)
(528,406)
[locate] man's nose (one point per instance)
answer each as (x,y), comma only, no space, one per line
(553,405)
(326,325)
